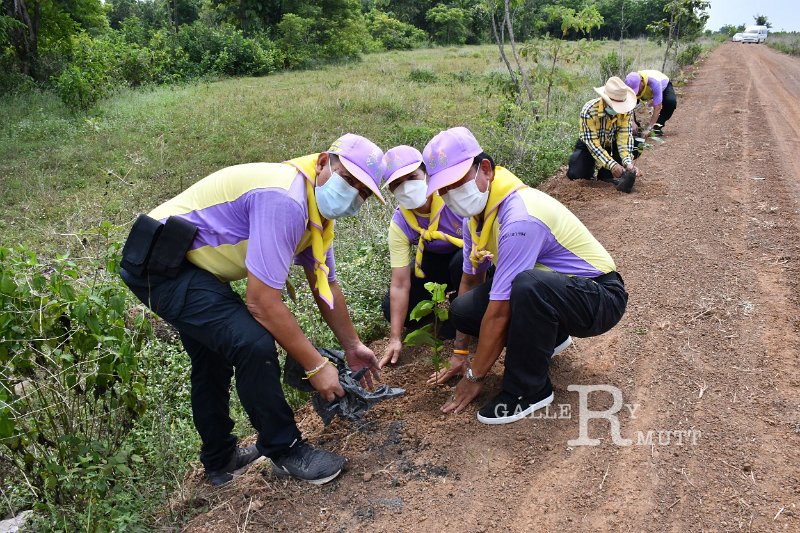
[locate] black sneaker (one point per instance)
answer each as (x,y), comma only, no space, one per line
(240,459)
(625,183)
(506,407)
(305,462)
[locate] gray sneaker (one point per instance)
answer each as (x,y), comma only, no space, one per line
(241,458)
(305,462)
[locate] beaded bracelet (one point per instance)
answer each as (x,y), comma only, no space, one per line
(311,373)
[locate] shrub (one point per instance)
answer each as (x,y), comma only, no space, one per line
(449,24)
(612,64)
(172,61)
(135,30)
(346,40)
(225,50)
(136,65)
(533,149)
(70,384)
(339,33)
(689,55)
(422,75)
(501,85)
(12,81)
(394,34)
(296,41)
(99,66)
(791,47)
(90,76)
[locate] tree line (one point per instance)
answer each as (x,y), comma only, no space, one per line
(85,48)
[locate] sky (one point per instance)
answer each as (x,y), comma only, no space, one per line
(784,15)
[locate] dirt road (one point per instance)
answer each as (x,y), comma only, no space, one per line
(707,355)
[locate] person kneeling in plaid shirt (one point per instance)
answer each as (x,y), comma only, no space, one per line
(606,137)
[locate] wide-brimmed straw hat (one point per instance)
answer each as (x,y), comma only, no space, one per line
(619,96)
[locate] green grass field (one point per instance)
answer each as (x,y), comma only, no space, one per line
(63,174)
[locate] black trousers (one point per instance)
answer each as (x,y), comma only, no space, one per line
(438,268)
(222,339)
(582,163)
(544,307)
(668,104)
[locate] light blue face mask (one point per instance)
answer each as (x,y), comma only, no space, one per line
(337,199)
(610,112)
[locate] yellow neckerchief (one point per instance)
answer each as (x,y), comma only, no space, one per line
(503,185)
(601,111)
(429,234)
(321,229)
(644,88)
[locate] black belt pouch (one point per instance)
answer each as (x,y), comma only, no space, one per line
(137,249)
(171,246)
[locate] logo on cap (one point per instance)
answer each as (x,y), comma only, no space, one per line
(437,159)
(392,158)
(374,160)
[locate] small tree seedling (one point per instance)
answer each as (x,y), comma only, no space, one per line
(428,335)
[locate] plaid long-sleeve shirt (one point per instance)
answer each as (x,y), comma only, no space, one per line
(598,131)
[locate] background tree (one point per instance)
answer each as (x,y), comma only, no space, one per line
(182,12)
(254,15)
(322,31)
(143,41)
(502,19)
(580,23)
(394,34)
(685,22)
(119,10)
(628,17)
(449,24)
(729,30)
(409,11)
(47,25)
(761,20)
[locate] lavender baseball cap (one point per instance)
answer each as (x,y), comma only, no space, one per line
(633,80)
(362,158)
(448,156)
(399,161)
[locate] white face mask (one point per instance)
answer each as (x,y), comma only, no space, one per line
(467,200)
(411,194)
(337,199)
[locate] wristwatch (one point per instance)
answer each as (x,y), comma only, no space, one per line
(472,378)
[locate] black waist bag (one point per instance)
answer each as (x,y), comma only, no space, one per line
(157,248)
(136,252)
